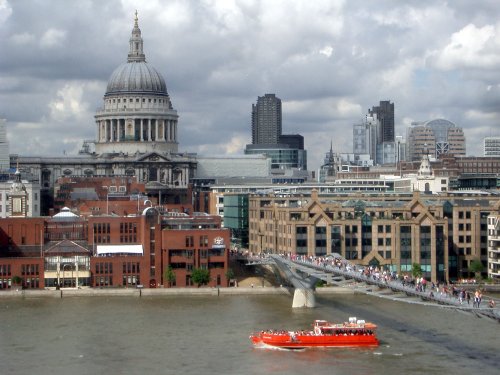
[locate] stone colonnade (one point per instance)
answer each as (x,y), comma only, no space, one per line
(143,130)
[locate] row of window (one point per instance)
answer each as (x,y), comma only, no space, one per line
(29,269)
(127,280)
(203,241)
(4,269)
(107,268)
(28,283)
(137,100)
(103,267)
(131,267)
(203,253)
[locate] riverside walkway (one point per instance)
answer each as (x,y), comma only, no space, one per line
(337,271)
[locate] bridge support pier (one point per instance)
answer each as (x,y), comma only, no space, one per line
(303,298)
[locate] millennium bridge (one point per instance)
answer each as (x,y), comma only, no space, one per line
(302,275)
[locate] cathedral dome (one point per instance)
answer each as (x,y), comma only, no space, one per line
(136,77)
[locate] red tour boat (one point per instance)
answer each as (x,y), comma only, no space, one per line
(323,335)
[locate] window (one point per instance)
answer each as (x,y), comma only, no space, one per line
(301,230)
(102,232)
(203,241)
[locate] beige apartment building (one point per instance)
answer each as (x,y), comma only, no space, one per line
(443,233)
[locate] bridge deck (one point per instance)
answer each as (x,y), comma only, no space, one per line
(394,289)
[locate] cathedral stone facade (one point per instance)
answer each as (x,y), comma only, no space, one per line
(137,135)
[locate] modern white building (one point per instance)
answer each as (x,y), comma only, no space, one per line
(233,166)
(494,247)
(492,146)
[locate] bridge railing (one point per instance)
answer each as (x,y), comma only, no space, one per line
(394,285)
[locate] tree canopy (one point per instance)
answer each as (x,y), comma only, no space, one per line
(476,266)
(416,270)
(200,276)
(169,275)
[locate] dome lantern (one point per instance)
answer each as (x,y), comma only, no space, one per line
(136,44)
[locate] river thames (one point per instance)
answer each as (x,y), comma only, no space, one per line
(209,335)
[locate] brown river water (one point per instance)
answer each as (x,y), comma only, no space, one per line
(209,335)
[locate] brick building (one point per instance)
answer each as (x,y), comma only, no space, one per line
(70,251)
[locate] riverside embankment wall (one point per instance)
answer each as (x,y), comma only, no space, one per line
(165,292)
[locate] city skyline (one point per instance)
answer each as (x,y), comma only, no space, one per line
(431,59)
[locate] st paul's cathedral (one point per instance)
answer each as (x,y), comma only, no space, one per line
(136,135)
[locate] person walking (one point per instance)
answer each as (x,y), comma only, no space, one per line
(476,298)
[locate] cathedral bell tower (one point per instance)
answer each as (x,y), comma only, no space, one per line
(18,198)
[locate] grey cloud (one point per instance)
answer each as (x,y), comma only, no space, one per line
(217,62)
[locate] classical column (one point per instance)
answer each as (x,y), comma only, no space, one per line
(113,130)
(142,130)
(99,130)
(160,125)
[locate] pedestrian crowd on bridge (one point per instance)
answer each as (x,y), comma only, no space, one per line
(377,274)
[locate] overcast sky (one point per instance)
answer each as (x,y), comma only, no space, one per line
(328,61)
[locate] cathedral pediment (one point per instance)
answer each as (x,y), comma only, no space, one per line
(153,157)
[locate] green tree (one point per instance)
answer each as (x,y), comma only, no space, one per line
(230,274)
(17,280)
(200,276)
(416,270)
(169,276)
(477,267)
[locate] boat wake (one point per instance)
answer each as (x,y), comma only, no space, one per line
(264,346)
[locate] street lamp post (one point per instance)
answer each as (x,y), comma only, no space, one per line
(76,278)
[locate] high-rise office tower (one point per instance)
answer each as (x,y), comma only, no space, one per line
(365,137)
(385,114)
(4,146)
(266,120)
(436,137)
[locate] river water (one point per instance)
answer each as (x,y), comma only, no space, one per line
(209,335)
